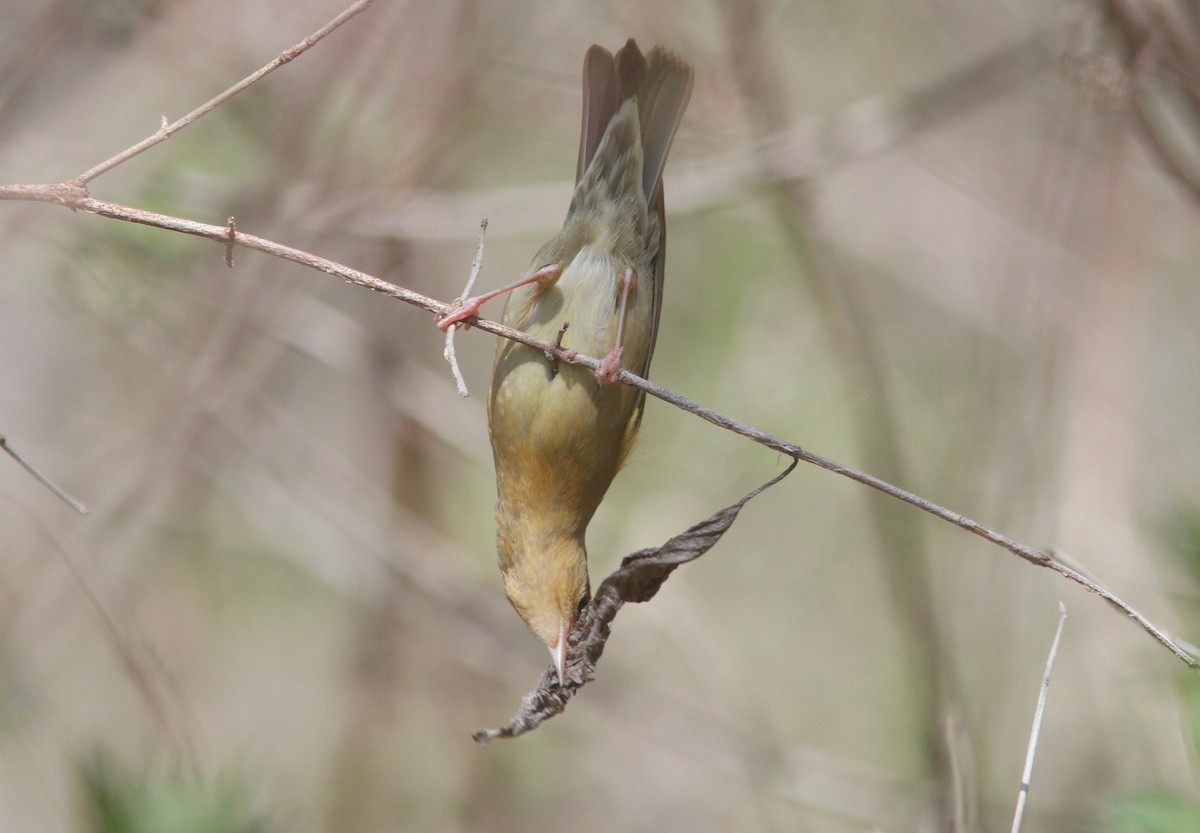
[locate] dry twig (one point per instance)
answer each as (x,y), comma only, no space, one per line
(448,352)
(167,130)
(640,574)
(1037,721)
(76,197)
(41,478)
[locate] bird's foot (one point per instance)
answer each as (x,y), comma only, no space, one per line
(458,311)
(609,369)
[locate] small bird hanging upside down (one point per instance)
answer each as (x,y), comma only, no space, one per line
(560,433)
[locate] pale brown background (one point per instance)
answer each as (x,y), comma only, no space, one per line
(287,582)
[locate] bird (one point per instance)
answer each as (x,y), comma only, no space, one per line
(559,433)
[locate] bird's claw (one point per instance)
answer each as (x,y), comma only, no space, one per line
(609,369)
(458,311)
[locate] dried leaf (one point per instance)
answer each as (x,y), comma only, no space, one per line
(637,580)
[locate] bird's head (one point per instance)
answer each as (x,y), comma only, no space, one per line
(547,589)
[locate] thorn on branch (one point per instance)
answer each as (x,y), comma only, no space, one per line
(557,343)
(230,239)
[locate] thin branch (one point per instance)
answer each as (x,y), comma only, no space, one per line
(1037,721)
(76,197)
(133,651)
(167,130)
(1164,76)
(959,757)
(41,478)
(477,262)
(448,352)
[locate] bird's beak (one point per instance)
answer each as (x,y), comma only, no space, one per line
(559,654)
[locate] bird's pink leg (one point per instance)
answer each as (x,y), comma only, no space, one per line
(610,366)
(463,308)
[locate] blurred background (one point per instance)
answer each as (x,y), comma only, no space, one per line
(951,243)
